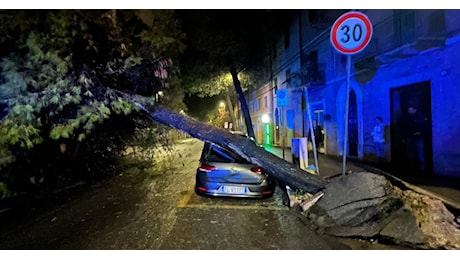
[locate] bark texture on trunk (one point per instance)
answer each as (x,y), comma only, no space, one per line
(280,169)
(244,105)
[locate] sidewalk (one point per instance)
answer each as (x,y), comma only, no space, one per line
(444,188)
(328,166)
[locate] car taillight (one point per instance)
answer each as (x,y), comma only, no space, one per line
(206,168)
(256,170)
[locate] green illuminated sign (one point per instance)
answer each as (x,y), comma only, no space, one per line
(267,134)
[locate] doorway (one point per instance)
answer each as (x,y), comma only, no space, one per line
(318,115)
(418,95)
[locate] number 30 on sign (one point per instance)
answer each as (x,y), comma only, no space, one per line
(351,33)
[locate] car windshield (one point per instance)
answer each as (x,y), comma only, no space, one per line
(220,154)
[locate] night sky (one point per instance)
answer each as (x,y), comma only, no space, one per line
(245,30)
(199,107)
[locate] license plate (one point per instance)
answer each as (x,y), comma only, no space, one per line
(234,189)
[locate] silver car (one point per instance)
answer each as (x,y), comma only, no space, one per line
(225,173)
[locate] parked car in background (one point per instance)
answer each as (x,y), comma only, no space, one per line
(222,172)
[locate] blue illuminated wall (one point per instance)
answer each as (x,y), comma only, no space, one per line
(438,66)
(409,47)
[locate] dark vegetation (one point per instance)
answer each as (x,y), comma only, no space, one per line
(62,71)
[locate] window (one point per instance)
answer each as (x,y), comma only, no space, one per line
(405,25)
(309,64)
(265,102)
(275,83)
(220,154)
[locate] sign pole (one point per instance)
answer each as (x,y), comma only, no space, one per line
(347,105)
(282,101)
(312,133)
(350,34)
(282,130)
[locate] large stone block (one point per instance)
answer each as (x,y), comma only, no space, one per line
(360,187)
(367,205)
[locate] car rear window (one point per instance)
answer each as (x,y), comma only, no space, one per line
(220,154)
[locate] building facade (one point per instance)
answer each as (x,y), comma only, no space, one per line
(260,103)
(411,60)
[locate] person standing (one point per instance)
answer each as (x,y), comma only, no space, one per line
(414,137)
(318,133)
(378,137)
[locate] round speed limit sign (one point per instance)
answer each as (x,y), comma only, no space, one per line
(351,33)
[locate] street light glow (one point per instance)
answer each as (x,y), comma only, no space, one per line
(265,118)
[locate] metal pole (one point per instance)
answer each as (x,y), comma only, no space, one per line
(345,134)
(282,130)
(310,122)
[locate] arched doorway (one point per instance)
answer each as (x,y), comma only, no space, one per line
(352,125)
(355,138)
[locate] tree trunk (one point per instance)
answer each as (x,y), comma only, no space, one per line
(276,167)
(231,111)
(244,105)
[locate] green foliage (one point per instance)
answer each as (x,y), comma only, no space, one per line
(61,70)
(12,134)
(299,192)
(4,191)
(218,118)
(14,83)
(122,107)
(163,34)
(174,96)
(132,61)
(220,83)
(88,117)
(60,131)
(6,157)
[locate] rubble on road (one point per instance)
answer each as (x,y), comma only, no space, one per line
(367,205)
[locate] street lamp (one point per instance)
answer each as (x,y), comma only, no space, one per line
(222,104)
(265,118)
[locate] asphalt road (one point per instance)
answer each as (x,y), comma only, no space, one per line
(156,208)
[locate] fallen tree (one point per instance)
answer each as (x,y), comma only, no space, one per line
(276,167)
(360,205)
